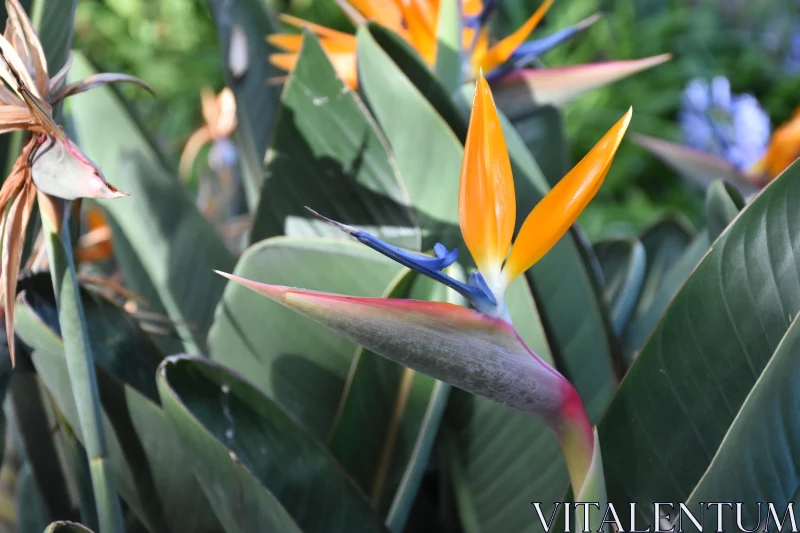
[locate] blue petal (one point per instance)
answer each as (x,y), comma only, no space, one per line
(532,49)
(476,291)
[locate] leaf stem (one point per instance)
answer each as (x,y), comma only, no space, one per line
(80,363)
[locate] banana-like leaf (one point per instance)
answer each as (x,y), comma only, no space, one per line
(30,511)
(284,480)
(149,463)
(543,132)
(682,394)
(699,168)
(427,151)
(449,44)
(67,527)
(301,366)
(328,153)
(158,220)
(770,409)
(623,262)
(55,29)
(521,90)
(723,203)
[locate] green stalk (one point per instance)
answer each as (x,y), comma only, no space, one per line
(80,363)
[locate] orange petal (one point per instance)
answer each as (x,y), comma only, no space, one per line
(558,210)
(422,36)
(501,51)
(784,148)
(316,29)
(384,12)
(472,8)
(486,202)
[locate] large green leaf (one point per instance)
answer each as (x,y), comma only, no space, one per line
(327,153)
(748,467)
(284,478)
(54,23)
(242,26)
(299,364)
(723,203)
(176,246)
(30,512)
(428,153)
(684,390)
(543,132)
(449,44)
(149,463)
(571,312)
(401,409)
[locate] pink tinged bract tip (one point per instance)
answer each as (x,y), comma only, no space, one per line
(61,170)
(468,349)
(516,92)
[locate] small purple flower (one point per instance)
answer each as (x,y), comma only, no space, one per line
(728,125)
(791,62)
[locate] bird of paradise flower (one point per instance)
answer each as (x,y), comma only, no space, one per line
(479,350)
(503,61)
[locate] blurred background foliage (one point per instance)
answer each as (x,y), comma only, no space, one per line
(172,45)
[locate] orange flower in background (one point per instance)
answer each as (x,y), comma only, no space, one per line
(416,21)
(783,149)
(219,114)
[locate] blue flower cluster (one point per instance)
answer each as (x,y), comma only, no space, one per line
(731,126)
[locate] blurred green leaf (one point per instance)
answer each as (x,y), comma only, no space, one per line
(300,365)
(149,463)
(159,220)
(240,438)
(449,44)
(30,512)
(542,131)
(723,203)
(328,153)
(54,23)
(623,262)
(242,26)
(690,380)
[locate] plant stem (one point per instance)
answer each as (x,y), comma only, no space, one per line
(80,363)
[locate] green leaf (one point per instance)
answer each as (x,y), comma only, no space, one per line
(299,364)
(500,460)
(163,493)
(54,23)
(66,527)
(748,467)
(623,262)
(723,203)
(240,438)
(242,27)
(672,251)
(685,389)
(30,511)
(401,410)
(427,151)
(543,132)
(175,245)
(328,153)
(449,43)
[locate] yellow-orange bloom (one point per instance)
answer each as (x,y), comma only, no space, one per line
(416,21)
(486,199)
